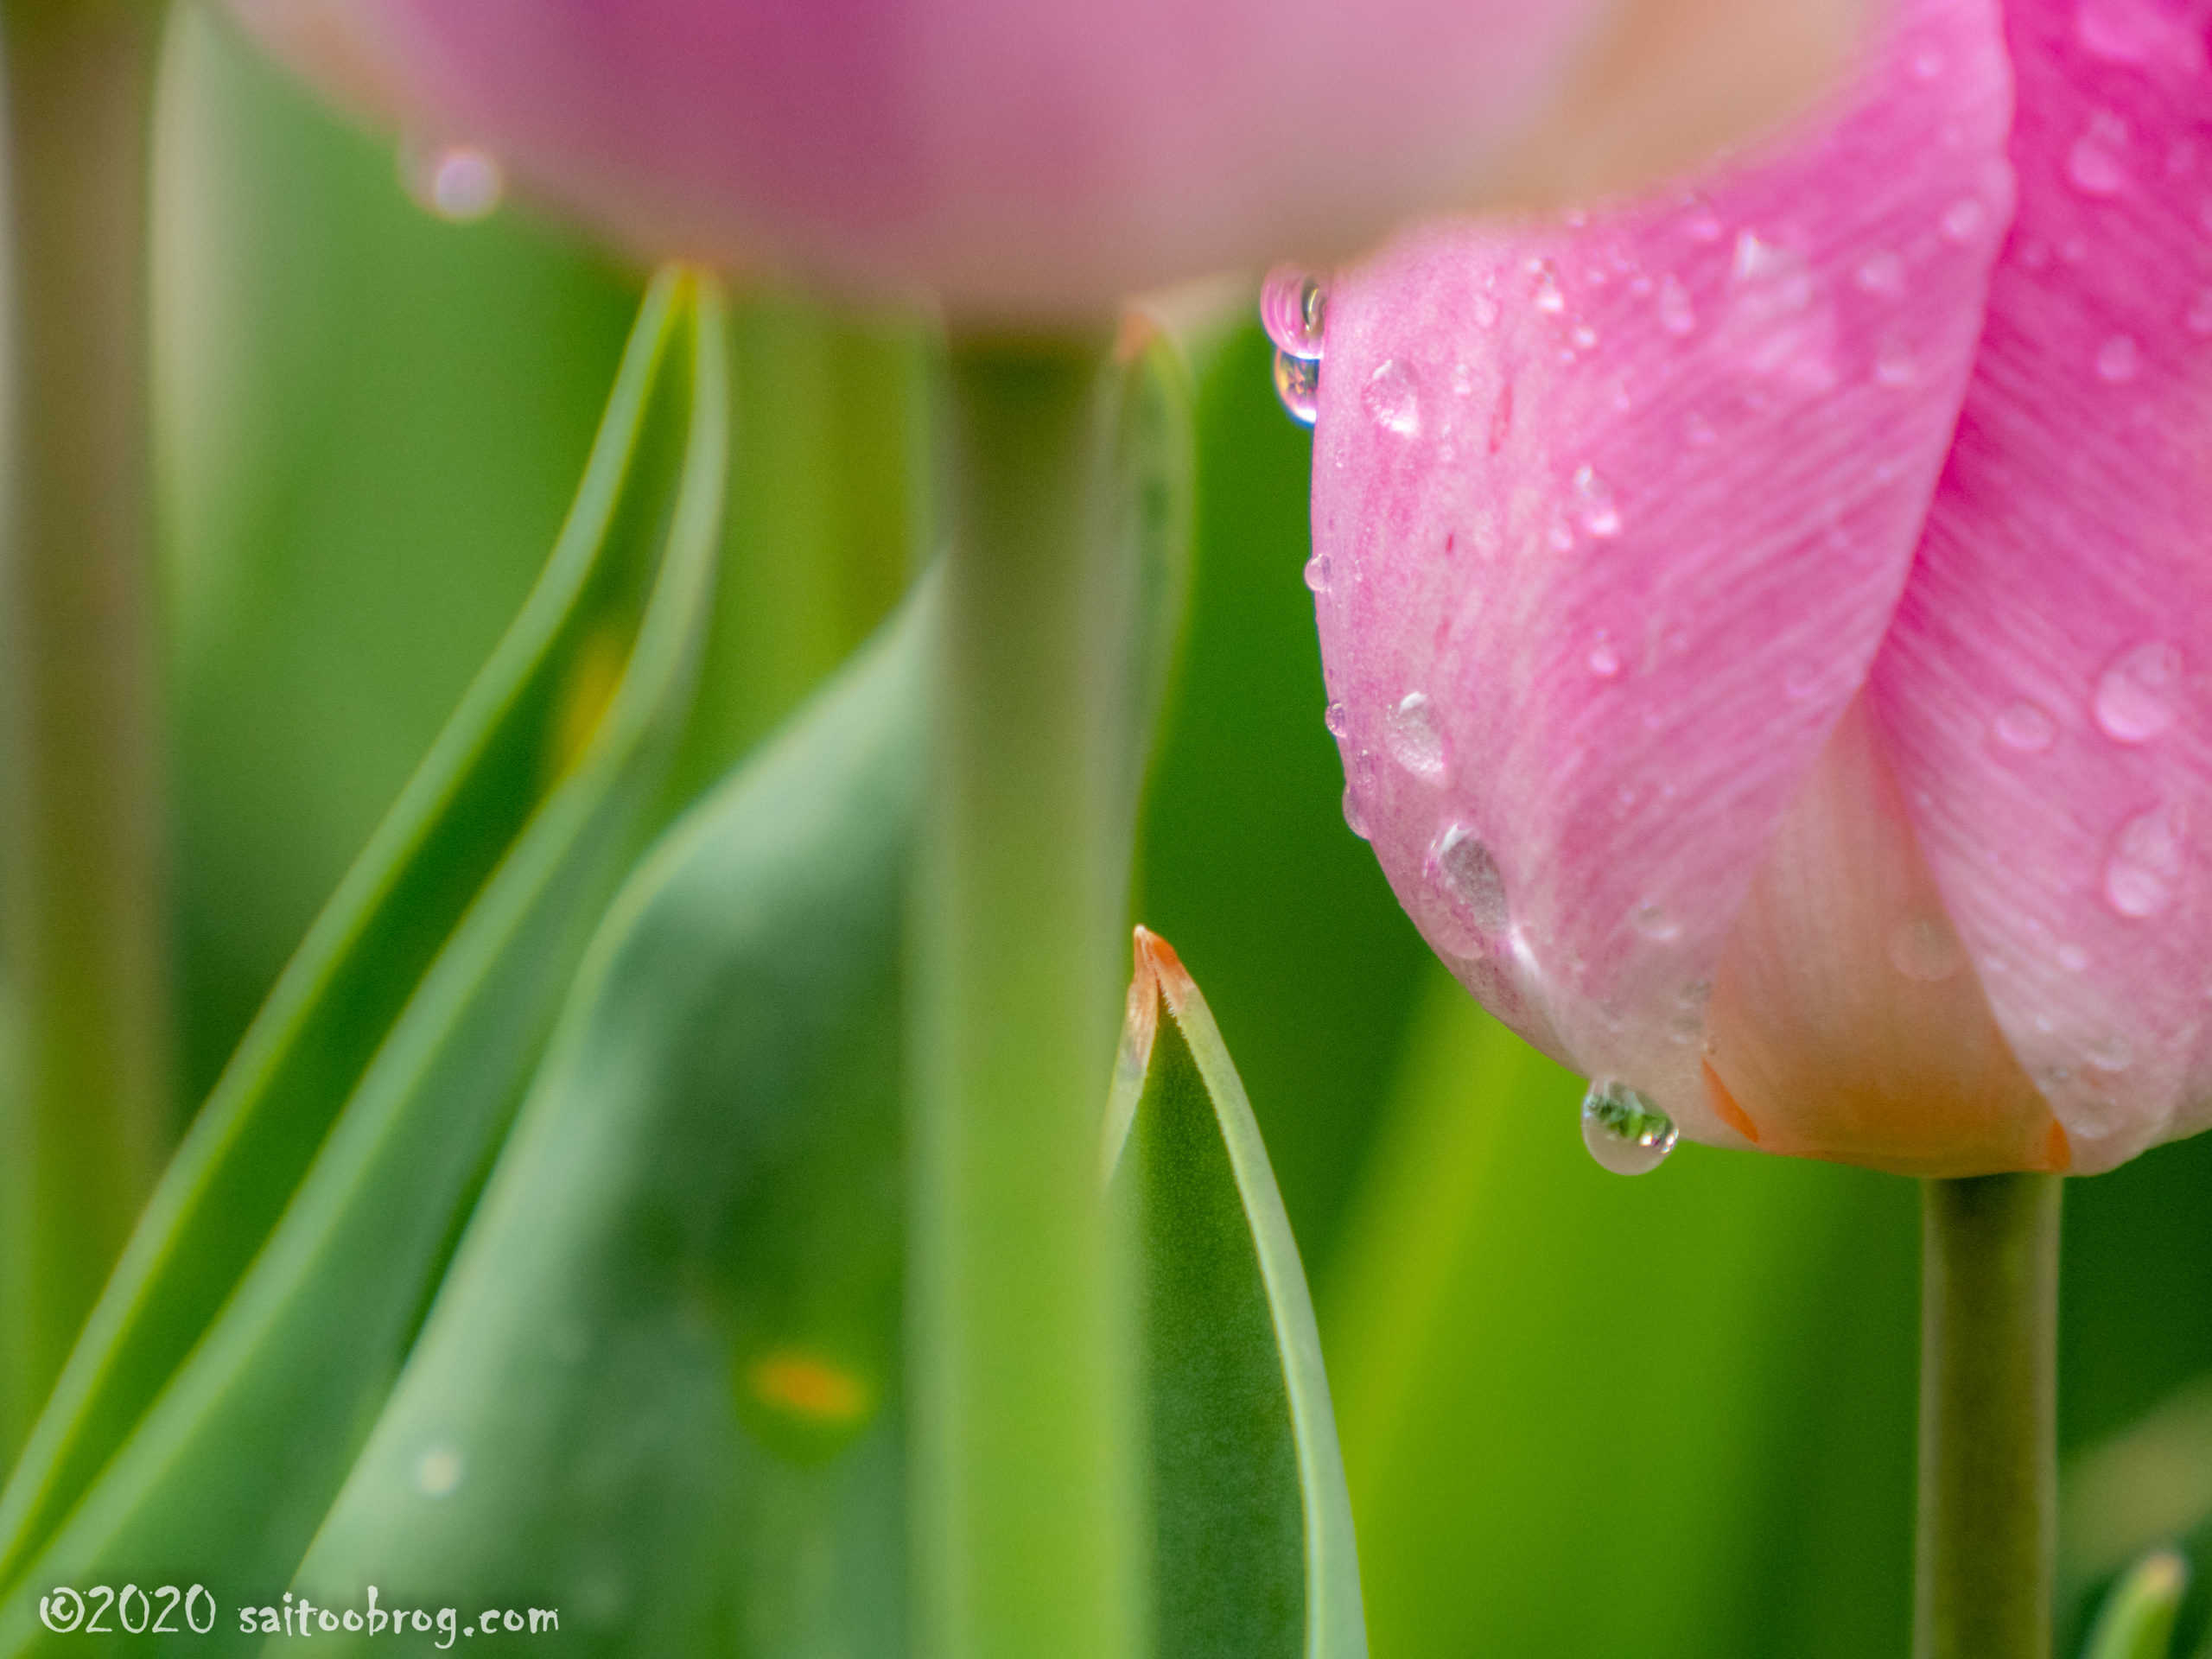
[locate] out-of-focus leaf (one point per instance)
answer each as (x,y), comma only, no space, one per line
(2137,1618)
(2147,1485)
(659,1391)
(370,423)
(1590,1416)
(260,1311)
(1253,1552)
(1245,859)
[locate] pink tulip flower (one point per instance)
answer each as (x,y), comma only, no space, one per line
(1770,623)
(1036,162)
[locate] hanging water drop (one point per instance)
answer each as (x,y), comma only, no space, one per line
(2146,865)
(2026,728)
(1625,1133)
(1293,309)
(1298,383)
(1316,573)
(1462,873)
(1334,719)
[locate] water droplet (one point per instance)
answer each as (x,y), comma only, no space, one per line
(1544,280)
(1699,431)
(1599,515)
(1701,223)
(2073,958)
(1625,1133)
(1676,316)
(1316,573)
(2135,32)
(1653,921)
(2112,1052)
(1392,397)
(1604,661)
(1334,718)
(2198,317)
(1584,336)
(438,1471)
(458,182)
(1416,744)
(1882,273)
(2025,728)
(1926,949)
(1298,383)
(2146,862)
(1926,63)
(1293,309)
(1963,219)
(2136,695)
(2118,359)
(1354,815)
(1461,872)
(2098,161)
(1894,365)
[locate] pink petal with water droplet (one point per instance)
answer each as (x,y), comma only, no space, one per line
(2065,571)
(1739,500)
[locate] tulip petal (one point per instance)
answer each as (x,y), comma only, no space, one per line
(1612,517)
(2048,690)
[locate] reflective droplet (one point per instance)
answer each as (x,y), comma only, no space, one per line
(2137,694)
(1604,661)
(2098,161)
(2136,32)
(1676,316)
(438,1471)
(1293,309)
(1334,718)
(1625,1133)
(1963,219)
(1316,573)
(2025,728)
(1926,64)
(458,182)
(1354,815)
(2118,359)
(2146,863)
(1544,283)
(1461,872)
(1894,365)
(2112,1052)
(1653,921)
(1701,223)
(1926,949)
(2073,958)
(1298,383)
(1416,744)
(1882,273)
(1598,514)
(1392,398)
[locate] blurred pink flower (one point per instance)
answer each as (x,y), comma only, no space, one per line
(1028,161)
(1770,624)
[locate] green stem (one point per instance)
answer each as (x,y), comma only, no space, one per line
(1023,1505)
(1988,1369)
(83,919)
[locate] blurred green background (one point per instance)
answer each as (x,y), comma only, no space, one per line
(1581,1415)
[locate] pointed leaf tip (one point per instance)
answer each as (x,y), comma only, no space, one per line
(2136,1620)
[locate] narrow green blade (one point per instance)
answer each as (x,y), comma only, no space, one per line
(282,1267)
(2137,1619)
(659,1391)
(1253,1554)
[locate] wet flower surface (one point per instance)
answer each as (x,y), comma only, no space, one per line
(1769,617)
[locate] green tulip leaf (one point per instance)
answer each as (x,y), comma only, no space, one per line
(229,1373)
(1253,1550)
(2137,1621)
(660,1392)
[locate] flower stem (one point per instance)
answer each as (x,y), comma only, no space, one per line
(83,926)
(1024,1511)
(1988,1369)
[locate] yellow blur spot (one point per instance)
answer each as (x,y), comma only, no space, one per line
(593,681)
(808,1387)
